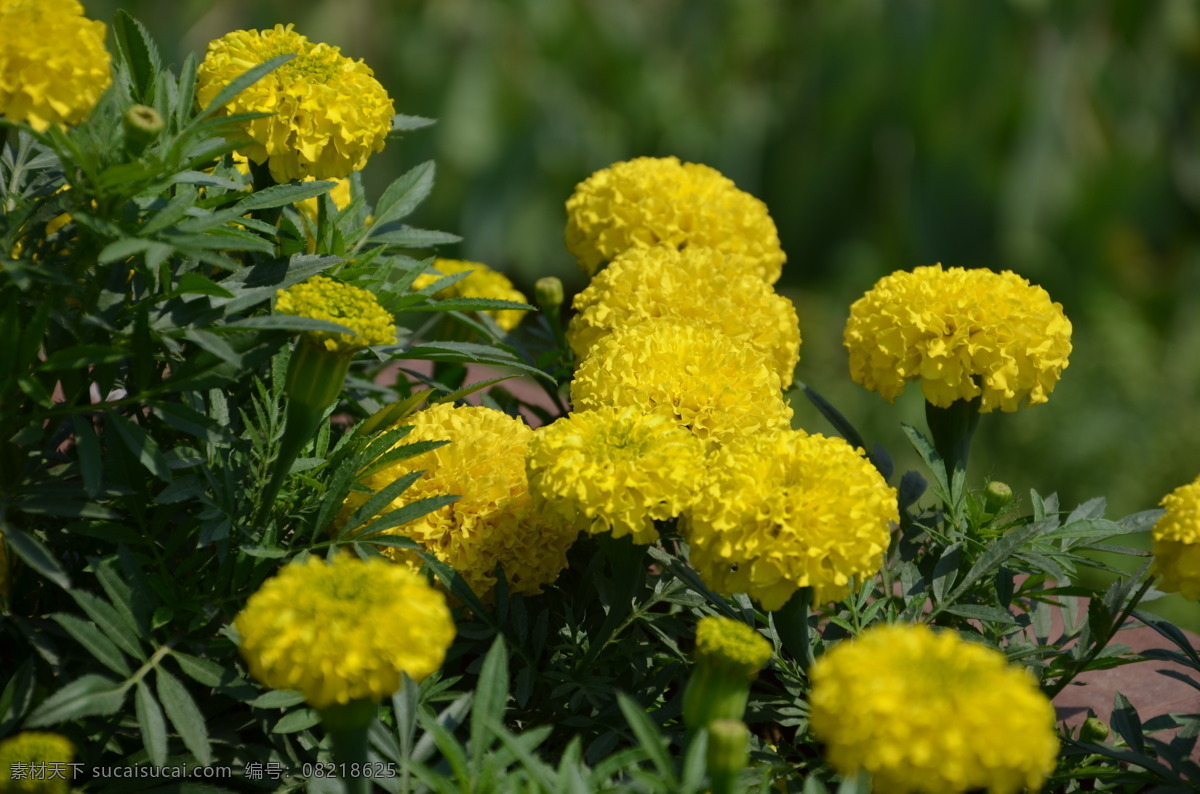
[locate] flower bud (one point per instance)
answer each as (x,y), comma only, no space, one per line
(549,293)
(727,753)
(1094,730)
(728,656)
(996,497)
(143,125)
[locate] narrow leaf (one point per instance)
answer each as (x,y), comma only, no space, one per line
(89,696)
(35,555)
(94,642)
(151,722)
(184,715)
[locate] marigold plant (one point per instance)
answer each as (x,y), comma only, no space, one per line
(322,298)
(1176,542)
(35,762)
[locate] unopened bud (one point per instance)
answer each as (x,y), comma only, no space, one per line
(996,497)
(1094,730)
(142,127)
(549,294)
(727,754)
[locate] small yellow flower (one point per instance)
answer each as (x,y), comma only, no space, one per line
(964,333)
(322,298)
(495,521)
(701,285)
(703,380)
(482,283)
(652,201)
(344,631)
(614,469)
(53,64)
(1176,542)
(36,763)
(781,511)
(930,712)
(330,114)
(733,645)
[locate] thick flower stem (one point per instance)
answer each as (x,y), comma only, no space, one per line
(952,429)
(791,624)
(348,726)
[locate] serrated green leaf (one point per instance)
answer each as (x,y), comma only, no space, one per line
(285,322)
(946,570)
(491,695)
(278,699)
(94,642)
(410,237)
(35,555)
(403,123)
(151,723)
(296,721)
(379,500)
(17,696)
(649,739)
(184,715)
(282,195)
(121,250)
(981,612)
(403,195)
(196,284)
(89,696)
(994,556)
(121,631)
(137,50)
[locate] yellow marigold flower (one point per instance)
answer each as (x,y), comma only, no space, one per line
(732,645)
(344,631)
(651,201)
(696,284)
(36,763)
(786,510)
(1176,542)
(717,388)
(964,333)
(482,283)
(495,520)
(614,469)
(53,65)
(930,712)
(329,112)
(322,298)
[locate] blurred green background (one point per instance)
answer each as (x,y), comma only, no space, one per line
(1059,139)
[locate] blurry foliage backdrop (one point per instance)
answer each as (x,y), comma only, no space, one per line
(1057,138)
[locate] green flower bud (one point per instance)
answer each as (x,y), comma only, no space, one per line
(727,754)
(996,497)
(143,125)
(1094,730)
(549,294)
(728,656)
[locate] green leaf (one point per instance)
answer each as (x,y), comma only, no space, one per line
(239,84)
(296,721)
(196,284)
(491,695)
(87,450)
(151,723)
(1127,724)
(89,696)
(278,699)
(995,555)
(184,715)
(137,50)
(142,445)
(470,305)
(120,250)
(81,357)
(946,570)
(402,196)
(932,459)
(35,555)
(402,123)
(649,739)
(285,322)
(17,696)
(840,423)
(401,516)
(121,631)
(282,195)
(410,237)
(94,642)
(981,612)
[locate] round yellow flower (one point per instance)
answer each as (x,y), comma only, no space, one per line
(495,521)
(344,631)
(732,645)
(53,65)
(482,283)
(47,753)
(651,201)
(329,112)
(716,387)
(781,511)
(964,333)
(322,298)
(614,469)
(930,712)
(696,284)
(1176,542)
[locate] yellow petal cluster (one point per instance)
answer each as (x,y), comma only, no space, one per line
(930,712)
(329,113)
(1176,542)
(36,763)
(731,645)
(53,64)
(964,333)
(322,298)
(651,201)
(495,521)
(345,630)
(482,283)
(696,284)
(717,388)
(781,511)
(614,469)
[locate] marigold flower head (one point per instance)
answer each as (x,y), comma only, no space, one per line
(495,521)
(781,511)
(651,201)
(732,645)
(716,387)
(329,112)
(322,298)
(614,469)
(48,751)
(482,283)
(345,630)
(930,712)
(964,333)
(701,285)
(53,64)
(1176,542)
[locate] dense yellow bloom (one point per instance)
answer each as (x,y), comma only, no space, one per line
(696,284)
(931,712)
(36,763)
(1176,542)
(716,387)
(651,201)
(732,645)
(345,630)
(964,333)
(322,298)
(53,65)
(495,520)
(329,112)
(781,511)
(614,469)
(482,283)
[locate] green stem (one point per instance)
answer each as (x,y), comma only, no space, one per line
(348,726)
(952,429)
(791,624)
